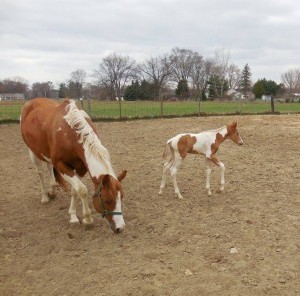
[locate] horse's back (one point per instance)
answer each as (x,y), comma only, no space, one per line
(39,118)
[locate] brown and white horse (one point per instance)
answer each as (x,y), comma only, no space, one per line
(65,138)
(206,143)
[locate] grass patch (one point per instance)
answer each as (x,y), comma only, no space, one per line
(106,110)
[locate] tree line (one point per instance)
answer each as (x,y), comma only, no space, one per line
(180,74)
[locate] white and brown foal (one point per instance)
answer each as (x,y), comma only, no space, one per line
(206,143)
(65,138)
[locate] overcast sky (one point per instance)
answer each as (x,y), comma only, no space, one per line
(47,40)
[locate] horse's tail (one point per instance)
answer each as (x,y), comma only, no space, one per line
(60,180)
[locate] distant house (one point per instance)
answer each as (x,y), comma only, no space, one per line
(236,95)
(266,98)
(11,96)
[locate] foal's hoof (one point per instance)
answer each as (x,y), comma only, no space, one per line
(220,191)
(45,200)
(179,196)
(160,192)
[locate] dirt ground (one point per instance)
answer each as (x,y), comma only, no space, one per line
(169,246)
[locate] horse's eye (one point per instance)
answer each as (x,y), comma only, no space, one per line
(108,202)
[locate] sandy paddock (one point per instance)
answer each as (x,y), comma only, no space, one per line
(169,246)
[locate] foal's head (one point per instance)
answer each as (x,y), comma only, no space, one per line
(107,201)
(233,134)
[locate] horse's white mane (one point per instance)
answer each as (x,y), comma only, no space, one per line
(77,120)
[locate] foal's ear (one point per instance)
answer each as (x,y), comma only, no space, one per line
(122,175)
(234,124)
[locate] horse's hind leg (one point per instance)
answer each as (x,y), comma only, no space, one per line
(53,185)
(39,167)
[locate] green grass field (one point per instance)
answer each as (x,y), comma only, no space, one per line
(10,110)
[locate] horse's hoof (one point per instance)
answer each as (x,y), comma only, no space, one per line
(87,221)
(88,226)
(51,195)
(160,192)
(74,224)
(220,191)
(209,193)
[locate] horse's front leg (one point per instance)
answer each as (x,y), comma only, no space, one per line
(72,209)
(81,192)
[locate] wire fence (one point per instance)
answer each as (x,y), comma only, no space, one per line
(118,110)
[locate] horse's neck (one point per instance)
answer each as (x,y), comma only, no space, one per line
(97,166)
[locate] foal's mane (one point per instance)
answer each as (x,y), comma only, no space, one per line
(217,129)
(77,120)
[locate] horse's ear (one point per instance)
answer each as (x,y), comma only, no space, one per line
(122,175)
(234,124)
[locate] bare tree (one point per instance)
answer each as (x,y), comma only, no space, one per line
(42,89)
(220,70)
(201,73)
(13,85)
(76,82)
(183,63)
(158,71)
(291,80)
(114,72)
(233,76)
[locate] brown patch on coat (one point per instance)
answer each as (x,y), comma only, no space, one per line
(186,144)
(216,144)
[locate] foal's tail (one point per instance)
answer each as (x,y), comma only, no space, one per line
(165,151)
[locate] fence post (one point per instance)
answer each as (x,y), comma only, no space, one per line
(272,104)
(89,106)
(161,103)
(199,106)
(120,109)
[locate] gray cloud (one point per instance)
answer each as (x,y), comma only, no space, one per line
(47,40)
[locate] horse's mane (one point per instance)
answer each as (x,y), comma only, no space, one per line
(77,120)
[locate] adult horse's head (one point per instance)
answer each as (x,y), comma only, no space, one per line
(233,134)
(107,200)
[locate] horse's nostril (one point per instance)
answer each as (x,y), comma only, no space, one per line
(118,230)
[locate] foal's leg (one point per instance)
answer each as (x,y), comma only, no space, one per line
(173,171)
(208,174)
(221,165)
(39,167)
(166,168)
